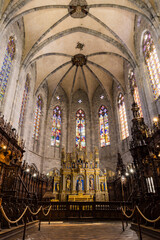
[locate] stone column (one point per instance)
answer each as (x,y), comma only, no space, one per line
(74,183)
(96,181)
(87,183)
(64,183)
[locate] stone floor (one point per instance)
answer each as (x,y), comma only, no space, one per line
(80,231)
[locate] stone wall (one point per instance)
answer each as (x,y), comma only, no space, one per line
(8,103)
(108,154)
(41,152)
(152,107)
(52,154)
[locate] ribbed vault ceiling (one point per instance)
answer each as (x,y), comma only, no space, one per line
(104,29)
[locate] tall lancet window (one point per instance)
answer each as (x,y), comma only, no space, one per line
(7,66)
(134,88)
(152,62)
(122,117)
(24,100)
(56,127)
(104,126)
(37,117)
(80,129)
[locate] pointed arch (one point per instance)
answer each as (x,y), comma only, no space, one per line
(37,117)
(152,63)
(134,88)
(7,66)
(104,126)
(122,117)
(24,100)
(80,129)
(56,127)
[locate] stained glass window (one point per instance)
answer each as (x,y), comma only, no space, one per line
(56,127)
(152,62)
(137,100)
(122,117)
(7,66)
(104,126)
(134,88)
(24,100)
(80,129)
(37,117)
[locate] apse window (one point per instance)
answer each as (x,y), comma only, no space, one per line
(37,117)
(56,127)
(104,126)
(137,100)
(152,63)
(80,130)
(122,117)
(134,87)
(79,101)
(24,100)
(7,66)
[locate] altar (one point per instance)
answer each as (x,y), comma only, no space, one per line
(80,198)
(80,179)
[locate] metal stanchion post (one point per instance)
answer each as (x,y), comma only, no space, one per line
(39,228)
(122,222)
(49,218)
(139,226)
(25,224)
(1,216)
(1,221)
(126,222)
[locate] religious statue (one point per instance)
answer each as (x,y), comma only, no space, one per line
(102,186)
(79,185)
(91,183)
(68,184)
(73,165)
(57,187)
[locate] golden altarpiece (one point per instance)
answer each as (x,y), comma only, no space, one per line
(80,178)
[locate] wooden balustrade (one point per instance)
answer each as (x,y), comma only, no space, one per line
(84,210)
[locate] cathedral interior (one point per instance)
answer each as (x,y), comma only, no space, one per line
(80,116)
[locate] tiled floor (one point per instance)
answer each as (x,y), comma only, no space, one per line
(80,231)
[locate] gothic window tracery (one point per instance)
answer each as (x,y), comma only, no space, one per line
(135,90)
(56,127)
(152,63)
(80,129)
(37,117)
(24,100)
(7,66)
(104,126)
(122,117)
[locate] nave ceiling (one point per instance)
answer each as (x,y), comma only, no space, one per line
(78,44)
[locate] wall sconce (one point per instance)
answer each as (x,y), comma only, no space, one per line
(123,179)
(131,170)
(155,119)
